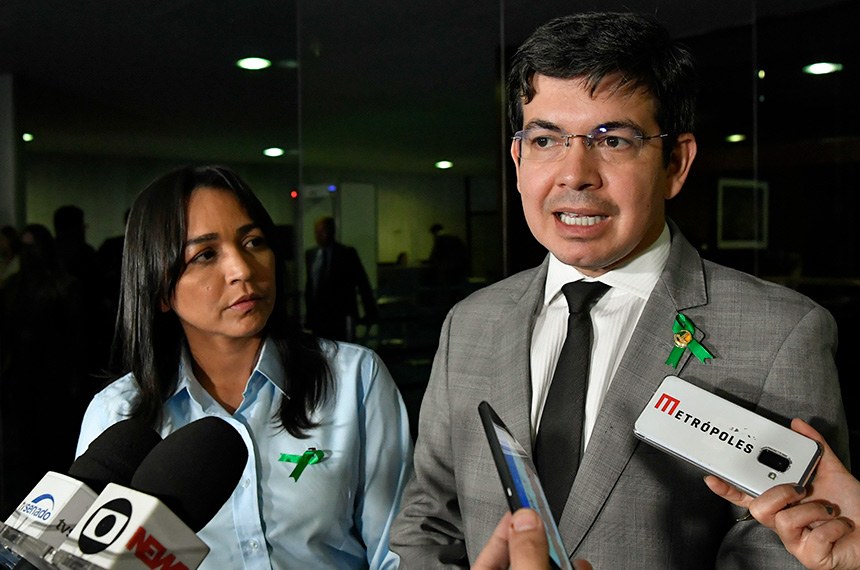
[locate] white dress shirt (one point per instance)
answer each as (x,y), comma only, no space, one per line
(339,512)
(613,319)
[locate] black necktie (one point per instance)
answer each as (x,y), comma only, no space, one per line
(559,439)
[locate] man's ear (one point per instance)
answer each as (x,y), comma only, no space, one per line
(516,158)
(680,162)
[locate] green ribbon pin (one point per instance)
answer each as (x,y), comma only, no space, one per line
(309,457)
(684,330)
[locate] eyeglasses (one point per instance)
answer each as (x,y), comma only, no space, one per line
(610,143)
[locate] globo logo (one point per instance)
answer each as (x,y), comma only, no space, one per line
(104,526)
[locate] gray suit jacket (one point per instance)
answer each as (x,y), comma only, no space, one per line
(631,506)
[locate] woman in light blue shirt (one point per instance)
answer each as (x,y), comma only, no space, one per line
(203,330)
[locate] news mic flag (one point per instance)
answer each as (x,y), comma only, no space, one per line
(127,529)
(179,487)
(57,502)
(46,517)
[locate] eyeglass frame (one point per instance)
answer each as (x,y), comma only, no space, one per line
(588,139)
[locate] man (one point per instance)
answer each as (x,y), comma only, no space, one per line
(334,277)
(603,105)
(76,256)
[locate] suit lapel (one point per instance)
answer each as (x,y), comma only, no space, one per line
(642,368)
(512,393)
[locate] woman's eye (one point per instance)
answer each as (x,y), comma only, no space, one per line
(255,242)
(203,256)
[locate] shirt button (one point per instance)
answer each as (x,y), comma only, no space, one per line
(245,483)
(253,545)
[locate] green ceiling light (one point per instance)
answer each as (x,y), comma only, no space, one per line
(274,152)
(253,63)
(27,137)
(736,138)
(444,164)
(822,68)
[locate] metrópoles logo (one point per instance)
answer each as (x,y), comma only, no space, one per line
(670,405)
(667,403)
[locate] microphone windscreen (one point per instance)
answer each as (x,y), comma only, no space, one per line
(194,470)
(115,455)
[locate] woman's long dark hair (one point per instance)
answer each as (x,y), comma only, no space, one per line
(148,341)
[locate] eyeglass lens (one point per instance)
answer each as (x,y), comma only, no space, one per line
(612,144)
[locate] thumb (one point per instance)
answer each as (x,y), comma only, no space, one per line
(528,545)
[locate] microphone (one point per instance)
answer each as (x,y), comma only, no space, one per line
(115,455)
(195,470)
(177,489)
(46,517)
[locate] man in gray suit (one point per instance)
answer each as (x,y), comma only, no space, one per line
(603,105)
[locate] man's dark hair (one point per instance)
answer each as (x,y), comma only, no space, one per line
(594,46)
(328,223)
(68,221)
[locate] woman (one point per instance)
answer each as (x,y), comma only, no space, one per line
(203,331)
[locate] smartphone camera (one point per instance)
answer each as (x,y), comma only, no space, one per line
(774,459)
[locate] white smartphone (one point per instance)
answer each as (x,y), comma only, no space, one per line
(724,439)
(520,481)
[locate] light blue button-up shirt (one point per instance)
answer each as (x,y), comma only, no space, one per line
(339,512)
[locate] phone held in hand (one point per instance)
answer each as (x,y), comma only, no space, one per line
(724,439)
(520,481)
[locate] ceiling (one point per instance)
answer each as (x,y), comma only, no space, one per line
(383,85)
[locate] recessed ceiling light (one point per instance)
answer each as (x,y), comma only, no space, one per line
(274,152)
(736,138)
(822,68)
(27,137)
(444,164)
(253,63)
(761,73)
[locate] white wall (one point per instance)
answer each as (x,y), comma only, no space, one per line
(406,207)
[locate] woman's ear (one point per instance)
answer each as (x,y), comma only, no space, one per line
(164,306)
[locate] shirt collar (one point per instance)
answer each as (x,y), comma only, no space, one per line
(269,368)
(637,277)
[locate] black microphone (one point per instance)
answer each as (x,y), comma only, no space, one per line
(177,489)
(194,470)
(48,514)
(115,455)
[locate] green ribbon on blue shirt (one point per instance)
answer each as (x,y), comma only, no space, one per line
(684,330)
(309,457)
